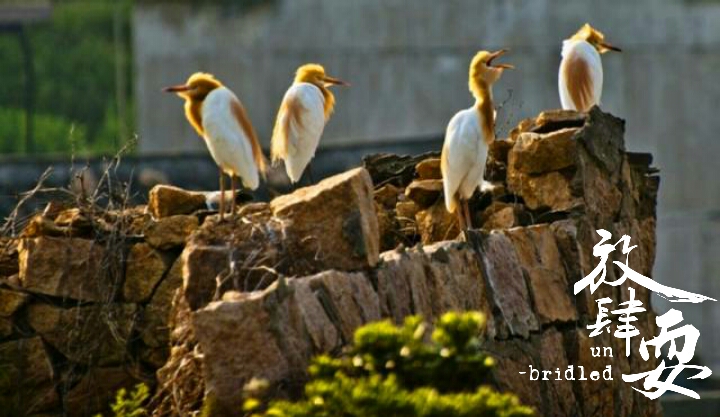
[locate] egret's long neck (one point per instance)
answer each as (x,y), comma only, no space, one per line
(485,108)
(329,100)
(193,112)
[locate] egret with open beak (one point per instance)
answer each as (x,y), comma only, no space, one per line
(217,116)
(304,111)
(581,75)
(467,138)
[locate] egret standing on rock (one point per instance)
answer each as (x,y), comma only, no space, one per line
(581,75)
(305,109)
(218,116)
(467,138)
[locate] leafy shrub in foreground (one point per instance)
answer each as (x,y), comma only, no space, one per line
(396,371)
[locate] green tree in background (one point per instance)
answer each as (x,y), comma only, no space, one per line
(83,91)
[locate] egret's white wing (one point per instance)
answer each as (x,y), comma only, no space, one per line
(298,127)
(231,141)
(462,162)
(580,77)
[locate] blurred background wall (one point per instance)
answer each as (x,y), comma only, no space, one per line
(100,66)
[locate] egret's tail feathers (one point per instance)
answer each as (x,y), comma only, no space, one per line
(487,187)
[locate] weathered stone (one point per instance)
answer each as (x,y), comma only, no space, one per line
(203,264)
(424,192)
(540,259)
(27,383)
(388,228)
(95,334)
(429,169)
(535,153)
(512,357)
(497,158)
(349,296)
(272,334)
(405,214)
(333,223)
(96,391)
(64,267)
(145,268)
(602,197)
(442,277)
(11,301)
(156,314)
(8,257)
(237,345)
(170,232)
(435,224)
(507,283)
(387,196)
(73,218)
(559,394)
(596,397)
(398,170)
(500,215)
(552,191)
(553,120)
(603,137)
(166,200)
(7,327)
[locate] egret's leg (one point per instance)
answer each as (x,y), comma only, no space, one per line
(310,175)
(468,217)
(233,204)
(460,215)
(222,195)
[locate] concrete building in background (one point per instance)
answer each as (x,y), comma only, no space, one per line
(407,61)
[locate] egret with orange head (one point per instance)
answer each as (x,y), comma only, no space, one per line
(304,111)
(580,80)
(217,116)
(468,136)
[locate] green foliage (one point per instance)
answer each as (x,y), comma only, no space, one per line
(396,371)
(130,404)
(75,65)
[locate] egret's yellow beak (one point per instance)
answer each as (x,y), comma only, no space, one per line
(495,55)
(607,47)
(177,88)
(334,81)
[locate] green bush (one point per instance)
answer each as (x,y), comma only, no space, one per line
(130,404)
(396,371)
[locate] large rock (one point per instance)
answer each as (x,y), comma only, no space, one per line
(94,334)
(154,328)
(430,281)
(551,191)
(504,274)
(435,223)
(424,192)
(166,200)
(65,267)
(331,225)
(27,384)
(429,169)
(145,268)
(273,334)
(11,301)
(170,232)
(535,153)
(540,259)
(8,257)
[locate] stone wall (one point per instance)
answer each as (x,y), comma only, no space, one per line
(95,301)
(560,176)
